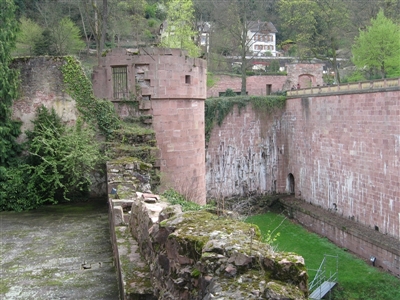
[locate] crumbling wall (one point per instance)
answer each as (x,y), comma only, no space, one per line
(164,253)
(41,84)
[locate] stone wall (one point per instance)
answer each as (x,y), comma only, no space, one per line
(41,84)
(164,253)
(171,87)
(344,154)
(244,154)
(306,75)
(337,151)
(256,85)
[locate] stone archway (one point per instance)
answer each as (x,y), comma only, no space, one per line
(306,80)
(290,186)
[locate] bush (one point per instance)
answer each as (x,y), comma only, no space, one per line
(62,157)
(229,93)
(57,166)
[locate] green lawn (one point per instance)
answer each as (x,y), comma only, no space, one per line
(357,279)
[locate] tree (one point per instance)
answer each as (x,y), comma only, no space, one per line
(97,16)
(317,26)
(180,28)
(9,129)
(234,20)
(60,156)
(30,33)
(377,47)
(66,37)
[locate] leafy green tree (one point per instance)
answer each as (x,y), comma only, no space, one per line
(377,47)
(30,33)
(44,45)
(66,37)
(9,129)
(319,27)
(180,30)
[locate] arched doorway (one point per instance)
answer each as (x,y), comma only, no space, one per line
(306,81)
(290,184)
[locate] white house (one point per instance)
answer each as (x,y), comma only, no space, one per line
(261,38)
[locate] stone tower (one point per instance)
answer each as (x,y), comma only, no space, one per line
(171,87)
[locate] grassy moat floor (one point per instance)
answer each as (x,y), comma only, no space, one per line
(57,252)
(357,279)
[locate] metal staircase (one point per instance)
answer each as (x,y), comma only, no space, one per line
(324,281)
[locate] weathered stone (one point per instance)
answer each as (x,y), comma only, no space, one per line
(118,215)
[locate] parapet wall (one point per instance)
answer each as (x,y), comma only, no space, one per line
(256,85)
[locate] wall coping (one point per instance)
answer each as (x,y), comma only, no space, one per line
(383,85)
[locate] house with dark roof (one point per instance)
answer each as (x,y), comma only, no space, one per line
(261,38)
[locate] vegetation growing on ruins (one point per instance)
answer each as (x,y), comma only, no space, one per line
(95,111)
(216,109)
(174,197)
(357,280)
(56,166)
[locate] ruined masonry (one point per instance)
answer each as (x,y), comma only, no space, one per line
(164,253)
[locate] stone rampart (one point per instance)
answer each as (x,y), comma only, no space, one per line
(339,151)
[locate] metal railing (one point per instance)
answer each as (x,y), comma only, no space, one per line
(364,86)
(322,275)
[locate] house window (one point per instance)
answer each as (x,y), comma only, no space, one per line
(120,82)
(187,79)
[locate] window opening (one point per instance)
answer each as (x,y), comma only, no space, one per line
(187,79)
(120,82)
(269,89)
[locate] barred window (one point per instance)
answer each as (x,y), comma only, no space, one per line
(120,82)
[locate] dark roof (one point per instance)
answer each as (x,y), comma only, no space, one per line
(262,27)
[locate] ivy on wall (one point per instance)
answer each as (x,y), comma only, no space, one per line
(216,109)
(95,111)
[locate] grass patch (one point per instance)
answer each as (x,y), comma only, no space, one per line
(357,279)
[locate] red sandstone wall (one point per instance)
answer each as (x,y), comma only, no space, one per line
(243,155)
(172,88)
(179,127)
(386,259)
(41,84)
(344,149)
(256,85)
(341,149)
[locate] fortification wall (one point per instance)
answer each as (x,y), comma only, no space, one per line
(306,75)
(244,154)
(344,154)
(342,150)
